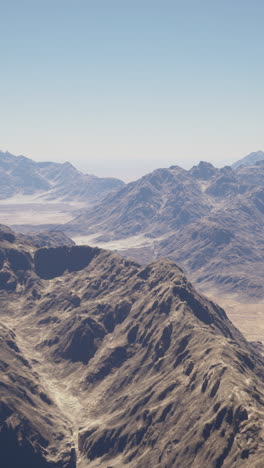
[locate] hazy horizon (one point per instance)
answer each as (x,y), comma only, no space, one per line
(127,170)
(120,88)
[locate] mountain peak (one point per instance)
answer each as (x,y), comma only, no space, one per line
(204,171)
(249,160)
(68,164)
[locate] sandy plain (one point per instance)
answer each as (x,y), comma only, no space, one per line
(32,210)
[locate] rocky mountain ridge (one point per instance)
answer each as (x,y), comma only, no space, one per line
(127,365)
(208,220)
(52,181)
(249,160)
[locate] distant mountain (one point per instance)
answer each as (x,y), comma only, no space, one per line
(210,221)
(249,160)
(166,199)
(108,363)
(52,181)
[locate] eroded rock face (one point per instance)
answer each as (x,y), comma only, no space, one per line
(129,364)
(33,432)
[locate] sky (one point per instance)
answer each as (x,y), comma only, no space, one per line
(121,87)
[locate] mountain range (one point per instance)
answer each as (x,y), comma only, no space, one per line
(50,181)
(106,362)
(210,221)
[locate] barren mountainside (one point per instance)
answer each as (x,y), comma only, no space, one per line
(249,160)
(210,221)
(108,363)
(53,181)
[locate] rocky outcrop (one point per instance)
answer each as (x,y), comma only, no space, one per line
(204,171)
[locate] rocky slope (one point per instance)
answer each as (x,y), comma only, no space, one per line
(33,431)
(145,371)
(208,220)
(249,160)
(53,181)
(164,199)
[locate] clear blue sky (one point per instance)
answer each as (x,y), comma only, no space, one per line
(126,85)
